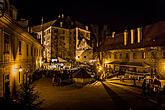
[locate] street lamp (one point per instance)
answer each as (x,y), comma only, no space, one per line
(2,8)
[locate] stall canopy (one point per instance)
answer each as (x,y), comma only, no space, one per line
(131,64)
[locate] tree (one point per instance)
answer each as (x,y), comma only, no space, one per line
(27,97)
(100,32)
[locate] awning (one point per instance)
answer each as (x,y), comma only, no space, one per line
(131,64)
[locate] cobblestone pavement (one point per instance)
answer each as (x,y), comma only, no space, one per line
(72,98)
(114,95)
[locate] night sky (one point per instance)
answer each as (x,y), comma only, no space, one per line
(117,13)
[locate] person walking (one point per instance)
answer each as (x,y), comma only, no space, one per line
(53,79)
(144,87)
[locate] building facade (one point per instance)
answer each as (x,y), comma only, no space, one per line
(20,55)
(136,51)
(61,39)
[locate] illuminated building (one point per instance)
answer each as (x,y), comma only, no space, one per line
(20,53)
(62,39)
(140,50)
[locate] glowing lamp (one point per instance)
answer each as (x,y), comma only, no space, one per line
(20,69)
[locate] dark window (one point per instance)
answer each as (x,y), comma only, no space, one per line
(115,55)
(55,30)
(20,48)
(164,54)
(143,55)
(34,52)
(84,56)
(134,56)
(110,55)
(153,55)
(27,50)
(31,51)
(127,56)
(120,56)
(63,32)
(6,43)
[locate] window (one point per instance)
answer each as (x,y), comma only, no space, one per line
(164,54)
(27,50)
(134,56)
(84,56)
(115,56)
(6,43)
(55,30)
(153,55)
(110,55)
(127,56)
(34,52)
(143,55)
(63,31)
(31,51)
(20,48)
(120,56)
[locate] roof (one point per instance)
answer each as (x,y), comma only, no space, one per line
(81,73)
(152,34)
(44,26)
(132,64)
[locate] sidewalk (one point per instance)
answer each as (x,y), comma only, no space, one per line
(138,84)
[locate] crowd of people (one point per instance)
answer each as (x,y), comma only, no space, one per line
(151,86)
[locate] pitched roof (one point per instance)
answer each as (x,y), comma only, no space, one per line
(44,26)
(81,73)
(152,34)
